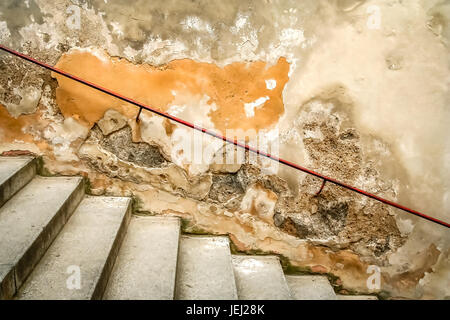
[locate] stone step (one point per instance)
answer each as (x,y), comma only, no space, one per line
(360,297)
(310,288)
(29,222)
(15,172)
(78,263)
(260,278)
(146,266)
(205,270)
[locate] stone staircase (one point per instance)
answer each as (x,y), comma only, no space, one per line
(58,243)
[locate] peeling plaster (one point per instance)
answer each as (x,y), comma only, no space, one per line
(341,96)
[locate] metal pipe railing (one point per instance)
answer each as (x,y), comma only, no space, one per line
(221,137)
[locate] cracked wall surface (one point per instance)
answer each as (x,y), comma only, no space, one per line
(363,103)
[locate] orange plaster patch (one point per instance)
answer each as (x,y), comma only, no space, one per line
(229,88)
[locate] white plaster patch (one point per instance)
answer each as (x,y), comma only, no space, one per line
(98,53)
(292,36)
(249,44)
(174,110)
(313,134)
(153,132)
(192,150)
(240,22)
(29,99)
(292,66)
(194,108)
(405,226)
(117,29)
(167,50)
(181,145)
(4,32)
(70,130)
(269,135)
(130,53)
(61,135)
(195,23)
(260,200)
(250,107)
(51,110)
(271,84)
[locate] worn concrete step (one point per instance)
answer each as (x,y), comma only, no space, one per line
(310,288)
(205,270)
(15,172)
(146,266)
(29,222)
(78,263)
(360,297)
(260,278)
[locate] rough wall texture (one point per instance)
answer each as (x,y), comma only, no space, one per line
(362,102)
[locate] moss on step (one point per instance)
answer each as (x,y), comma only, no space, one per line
(383,295)
(188,228)
(184,224)
(87,186)
(251,252)
(41,169)
(291,269)
(137,205)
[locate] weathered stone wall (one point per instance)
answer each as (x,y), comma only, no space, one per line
(357,90)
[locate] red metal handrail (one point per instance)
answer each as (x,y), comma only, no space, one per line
(221,137)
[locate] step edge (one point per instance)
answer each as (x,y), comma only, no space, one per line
(94,287)
(256,257)
(208,237)
(205,237)
(103,278)
(25,264)
(151,223)
(158,218)
(175,276)
(28,171)
(273,258)
(322,277)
